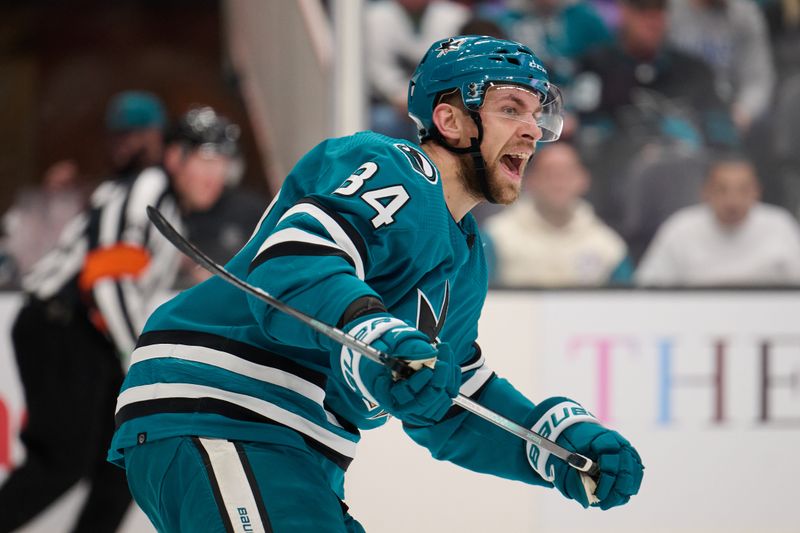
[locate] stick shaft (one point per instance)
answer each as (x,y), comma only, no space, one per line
(195,254)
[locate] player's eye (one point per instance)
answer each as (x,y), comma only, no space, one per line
(510,111)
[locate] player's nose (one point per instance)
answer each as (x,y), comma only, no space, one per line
(531,131)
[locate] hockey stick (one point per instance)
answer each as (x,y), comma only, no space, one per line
(575,460)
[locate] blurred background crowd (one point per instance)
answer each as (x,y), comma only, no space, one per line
(679,164)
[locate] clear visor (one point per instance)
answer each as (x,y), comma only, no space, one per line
(527,105)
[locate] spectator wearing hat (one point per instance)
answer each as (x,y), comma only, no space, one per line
(135,122)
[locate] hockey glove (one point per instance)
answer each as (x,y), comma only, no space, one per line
(574,428)
(421,399)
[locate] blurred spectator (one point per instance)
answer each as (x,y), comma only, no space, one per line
(783,23)
(731,36)
(551,236)
(86,303)
(639,93)
(559,31)
(33,223)
(398,33)
(135,122)
(778,150)
(782,16)
(772,142)
(608,11)
(730,240)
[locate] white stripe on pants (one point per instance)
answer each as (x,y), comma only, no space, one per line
(237,495)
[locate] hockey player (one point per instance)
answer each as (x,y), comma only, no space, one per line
(234,413)
(86,304)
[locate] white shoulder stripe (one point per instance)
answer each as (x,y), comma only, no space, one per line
(295,235)
(161,391)
(231,363)
(335,231)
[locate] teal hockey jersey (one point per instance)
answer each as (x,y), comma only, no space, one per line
(358,216)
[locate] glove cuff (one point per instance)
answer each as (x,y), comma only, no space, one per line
(554,416)
(366,331)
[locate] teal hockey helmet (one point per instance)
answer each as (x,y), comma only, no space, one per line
(472,64)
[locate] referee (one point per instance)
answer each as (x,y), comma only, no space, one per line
(86,304)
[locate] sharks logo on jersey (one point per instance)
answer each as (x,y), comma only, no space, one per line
(429,322)
(419,162)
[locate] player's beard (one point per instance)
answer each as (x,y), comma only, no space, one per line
(502,190)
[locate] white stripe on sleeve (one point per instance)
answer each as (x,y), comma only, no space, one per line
(476,381)
(295,235)
(334,230)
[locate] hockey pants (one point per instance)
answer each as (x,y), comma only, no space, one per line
(190,484)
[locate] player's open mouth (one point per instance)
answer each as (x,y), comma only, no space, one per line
(514,163)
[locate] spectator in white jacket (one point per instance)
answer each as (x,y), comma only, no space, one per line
(729,240)
(551,237)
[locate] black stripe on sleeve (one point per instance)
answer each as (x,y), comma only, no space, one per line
(366,305)
(298,248)
(212,479)
(476,356)
(346,226)
(253,482)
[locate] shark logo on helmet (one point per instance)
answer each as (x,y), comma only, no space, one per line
(449,45)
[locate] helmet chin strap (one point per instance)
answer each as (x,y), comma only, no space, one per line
(474,151)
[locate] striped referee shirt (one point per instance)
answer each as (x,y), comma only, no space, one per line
(110,256)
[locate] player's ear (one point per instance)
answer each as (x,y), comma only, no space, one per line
(449,120)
